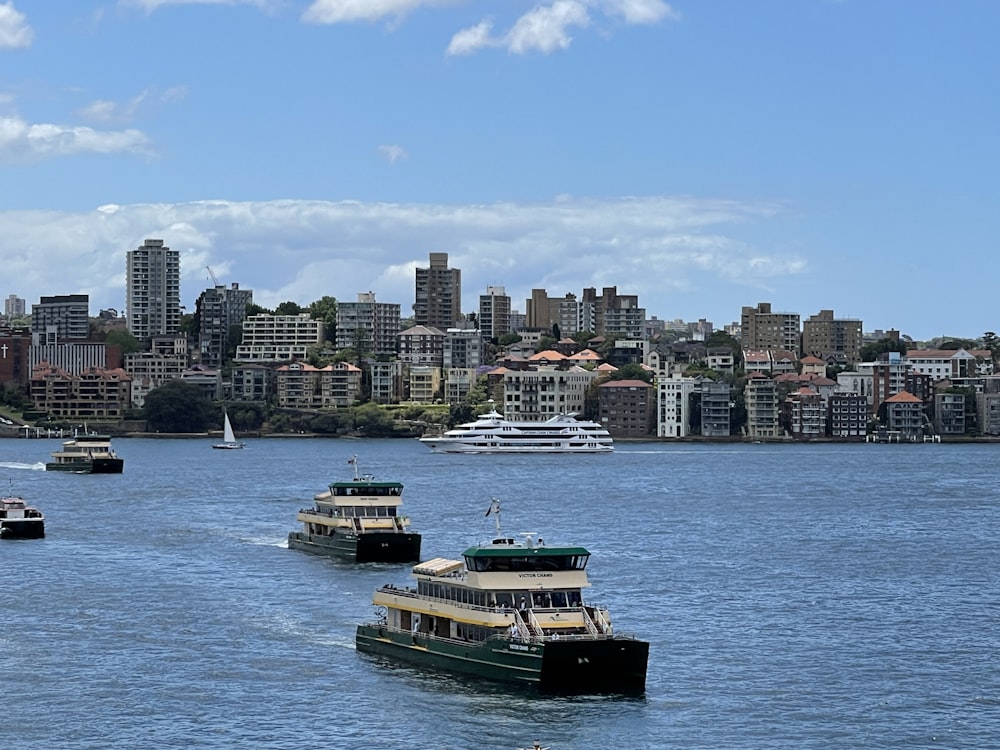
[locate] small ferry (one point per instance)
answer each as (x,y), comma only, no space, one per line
(87,453)
(510,610)
(491,433)
(18,520)
(360,520)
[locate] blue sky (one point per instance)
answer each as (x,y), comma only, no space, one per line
(702,154)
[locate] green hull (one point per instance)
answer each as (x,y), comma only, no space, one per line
(586,665)
(95,466)
(363,548)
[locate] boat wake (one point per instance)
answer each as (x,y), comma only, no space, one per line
(40,466)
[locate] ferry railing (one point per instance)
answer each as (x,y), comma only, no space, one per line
(591,627)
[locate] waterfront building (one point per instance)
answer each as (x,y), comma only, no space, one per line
(208,379)
(949,414)
(716,408)
(458,381)
(438,294)
(545,391)
(847,414)
(805,415)
(153,290)
(904,416)
(627,408)
(95,394)
(673,405)
(988,409)
(250,382)
(947,364)
(761,398)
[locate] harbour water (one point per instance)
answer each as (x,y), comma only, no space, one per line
(813,596)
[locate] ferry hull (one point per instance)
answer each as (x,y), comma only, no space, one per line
(28,528)
(586,666)
(90,466)
(363,548)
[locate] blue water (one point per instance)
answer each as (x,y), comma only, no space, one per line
(794,597)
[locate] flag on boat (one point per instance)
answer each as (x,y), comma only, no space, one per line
(352,460)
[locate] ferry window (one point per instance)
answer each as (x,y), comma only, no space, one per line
(541,599)
(382,511)
(392,511)
(575,600)
(558,598)
(504,599)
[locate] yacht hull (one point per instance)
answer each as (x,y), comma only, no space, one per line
(90,466)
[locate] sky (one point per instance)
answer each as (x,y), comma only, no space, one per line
(704,155)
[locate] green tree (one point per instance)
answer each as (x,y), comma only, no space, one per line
(177,406)
(288,308)
(631,371)
(507,339)
(124,339)
(325,309)
(720,339)
(871,352)
(991,342)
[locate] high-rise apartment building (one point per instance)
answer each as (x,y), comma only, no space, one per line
(153,290)
(494,312)
(366,325)
(762,330)
(613,313)
(61,318)
(13,307)
(823,336)
(438,298)
(219,309)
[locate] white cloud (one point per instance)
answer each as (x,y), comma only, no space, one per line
(546,28)
(472,39)
(343,11)
(21,141)
(655,247)
(639,11)
(106,111)
(393,153)
(151,5)
(15,33)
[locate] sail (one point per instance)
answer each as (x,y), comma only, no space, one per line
(228,435)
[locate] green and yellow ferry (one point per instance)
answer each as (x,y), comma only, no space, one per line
(358,520)
(511,610)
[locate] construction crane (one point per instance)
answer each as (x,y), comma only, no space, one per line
(215,281)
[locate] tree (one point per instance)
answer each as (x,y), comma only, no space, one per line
(991,342)
(288,308)
(123,339)
(177,406)
(325,309)
(721,339)
(507,339)
(871,352)
(631,371)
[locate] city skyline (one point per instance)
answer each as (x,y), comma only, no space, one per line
(824,154)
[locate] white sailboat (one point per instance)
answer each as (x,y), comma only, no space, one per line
(229,441)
